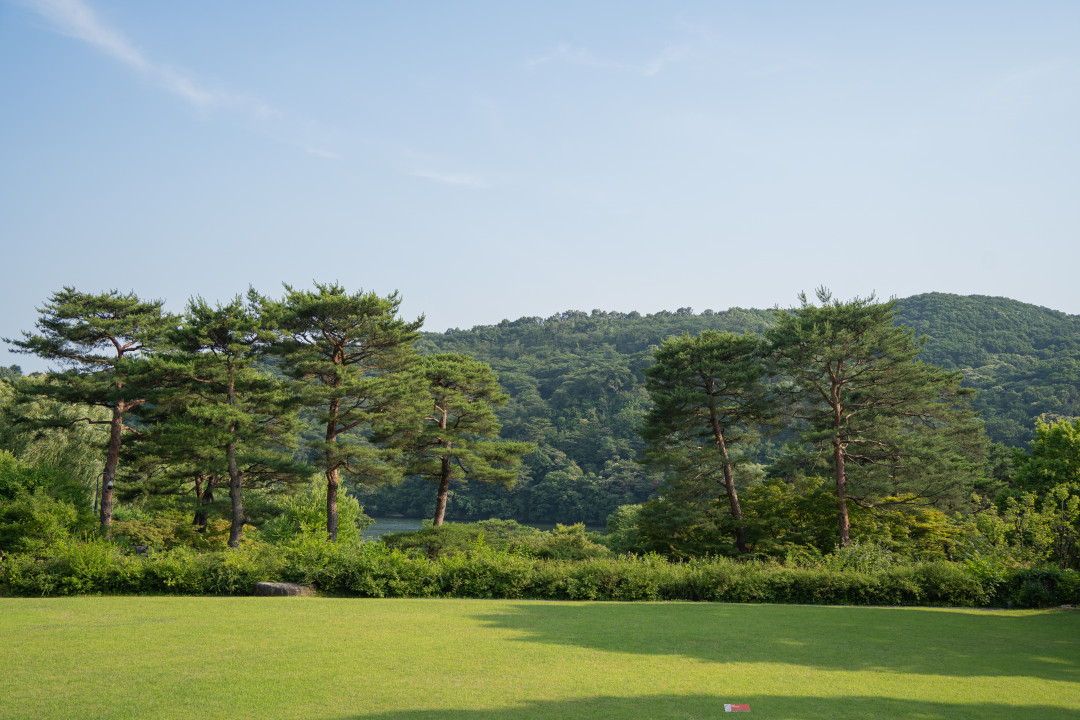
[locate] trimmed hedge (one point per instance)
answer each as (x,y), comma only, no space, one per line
(373,570)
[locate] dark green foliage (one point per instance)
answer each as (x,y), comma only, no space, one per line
(101,339)
(350,355)
(219,419)
(576,380)
(890,428)
(708,399)
(563,494)
(459,436)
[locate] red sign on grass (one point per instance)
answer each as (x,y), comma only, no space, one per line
(736,708)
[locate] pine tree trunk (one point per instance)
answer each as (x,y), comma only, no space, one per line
(729,481)
(205,500)
(200,503)
(444,475)
(841,494)
(444,485)
(112,459)
(736,509)
(236,484)
(331,504)
(236,478)
(331,473)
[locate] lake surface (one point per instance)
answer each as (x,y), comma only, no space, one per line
(386,525)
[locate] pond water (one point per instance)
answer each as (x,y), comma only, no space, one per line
(384,525)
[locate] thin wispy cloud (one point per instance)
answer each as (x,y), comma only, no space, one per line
(76,19)
(586,58)
(451,178)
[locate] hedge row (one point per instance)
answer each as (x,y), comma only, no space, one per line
(373,570)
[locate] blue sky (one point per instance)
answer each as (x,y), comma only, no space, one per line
(494,160)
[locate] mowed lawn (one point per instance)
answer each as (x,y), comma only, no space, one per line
(332,659)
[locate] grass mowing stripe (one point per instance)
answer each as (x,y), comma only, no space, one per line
(331,659)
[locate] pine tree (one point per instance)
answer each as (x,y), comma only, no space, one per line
(350,353)
(897,430)
(459,437)
(709,400)
(101,339)
(223,418)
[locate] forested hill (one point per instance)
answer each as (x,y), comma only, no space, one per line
(577,389)
(1023,359)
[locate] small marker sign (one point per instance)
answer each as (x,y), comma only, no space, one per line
(736,708)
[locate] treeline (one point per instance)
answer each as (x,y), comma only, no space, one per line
(778,435)
(257,394)
(576,383)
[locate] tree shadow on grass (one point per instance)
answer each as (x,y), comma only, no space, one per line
(700,707)
(924,641)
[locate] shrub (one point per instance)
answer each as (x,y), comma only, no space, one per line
(450,538)
(306,513)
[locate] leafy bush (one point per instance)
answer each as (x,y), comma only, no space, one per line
(39,506)
(1038,587)
(305,513)
(165,531)
(451,538)
(371,569)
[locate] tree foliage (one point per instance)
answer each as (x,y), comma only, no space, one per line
(709,400)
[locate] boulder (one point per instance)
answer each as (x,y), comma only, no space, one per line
(280,589)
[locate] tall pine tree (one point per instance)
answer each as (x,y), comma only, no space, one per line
(709,401)
(896,430)
(101,339)
(223,417)
(350,354)
(459,437)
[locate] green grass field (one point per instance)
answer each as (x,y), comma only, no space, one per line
(333,659)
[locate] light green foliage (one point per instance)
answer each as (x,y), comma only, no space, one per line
(39,507)
(622,529)
(304,514)
(1027,528)
(165,530)
(1053,458)
(48,434)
